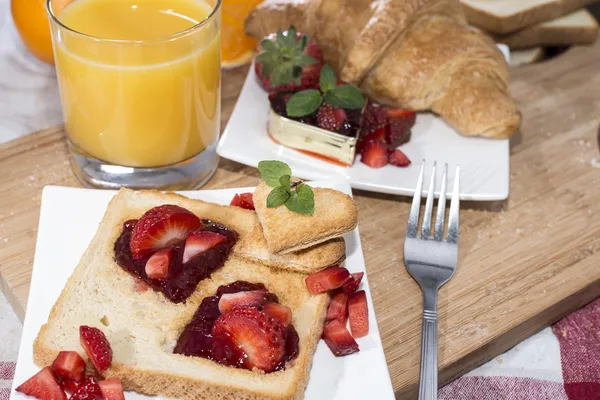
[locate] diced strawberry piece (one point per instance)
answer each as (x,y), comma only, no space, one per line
(338,307)
(359,314)
(96,346)
(377,135)
(398,158)
(88,390)
(252,298)
(400,122)
(281,313)
(402,113)
(243,200)
(375,154)
(351,284)
(43,386)
(69,365)
(159,264)
(199,242)
(161,227)
(249,338)
(374,117)
(70,386)
(338,339)
(111,389)
(327,279)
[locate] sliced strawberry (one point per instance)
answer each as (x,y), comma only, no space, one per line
(338,307)
(243,200)
(404,114)
(111,389)
(88,390)
(252,298)
(69,365)
(377,135)
(281,313)
(249,338)
(375,154)
(199,242)
(70,386)
(161,227)
(398,158)
(43,386)
(96,346)
(359,314)
(327,279)
(338,339)
(374,117)
(351,284)
(159,264)
(400,123)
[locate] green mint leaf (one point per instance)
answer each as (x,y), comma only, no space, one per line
(278,196)
(272,170)
(284,181)
(345,96)
(303,103)
(301,200)
(328,80)
(268,45)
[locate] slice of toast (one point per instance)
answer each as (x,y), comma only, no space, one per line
(287,231)
(526,56)
(143,327)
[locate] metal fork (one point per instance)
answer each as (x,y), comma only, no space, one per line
(431,261)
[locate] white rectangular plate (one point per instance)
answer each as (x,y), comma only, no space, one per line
(484,163)
(68,220)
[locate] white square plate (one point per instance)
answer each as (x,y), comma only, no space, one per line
(68,220)
(484,163)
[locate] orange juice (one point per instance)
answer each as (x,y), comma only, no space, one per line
(139,79)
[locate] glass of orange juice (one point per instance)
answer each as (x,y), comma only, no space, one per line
(140,86)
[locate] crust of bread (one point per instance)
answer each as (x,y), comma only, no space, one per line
(143,327)
(287,232)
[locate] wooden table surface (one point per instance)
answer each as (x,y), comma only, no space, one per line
(524,262)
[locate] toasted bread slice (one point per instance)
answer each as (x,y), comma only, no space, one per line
(286,231)
(143,327)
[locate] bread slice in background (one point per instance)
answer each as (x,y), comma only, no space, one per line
(507,16)
(526,56)
(286,231)
(143,327)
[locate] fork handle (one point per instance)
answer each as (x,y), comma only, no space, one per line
(428,385)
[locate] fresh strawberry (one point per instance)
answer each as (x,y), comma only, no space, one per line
(398,158)
(400,123)
(159,264)
(375,154)
(69,365)
(338,307)
(199,242)
(358,313)
(281,313)
(377,135)
(404,114)
(283,65)
(160,227)
(96,346)
(338,339)
(351,284)
(70,386)
(243,200)
(374,117)
(88,390)
(327,279)
(330,118)
(111,389)
(249,338)
(43,386)
(253,298)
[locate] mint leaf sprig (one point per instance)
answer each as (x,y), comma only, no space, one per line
(296,196)
(308,101)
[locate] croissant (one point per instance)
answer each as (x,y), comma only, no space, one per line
(418,54)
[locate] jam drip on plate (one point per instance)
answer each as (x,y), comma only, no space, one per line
(183,278)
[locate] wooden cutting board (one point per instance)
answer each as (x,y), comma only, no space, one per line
(524,263)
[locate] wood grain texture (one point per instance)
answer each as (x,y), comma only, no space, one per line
(523,263)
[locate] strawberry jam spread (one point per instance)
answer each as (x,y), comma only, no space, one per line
(250,337)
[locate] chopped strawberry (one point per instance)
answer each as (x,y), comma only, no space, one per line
(375,154)
(199,242)
(249,338)
(330,118)
(69,365)
(253,298)
(281,313)
(88,390)
(160,227)
(398,158)
(403,114)
(374,117)
(111,389)
(43,386)
(359,314)
(338,307)
(338,339)
(96,346)
(243,200)
(159,264)
(351,284)
(400,123)
(377,135)
(70,386)
(327,279)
